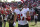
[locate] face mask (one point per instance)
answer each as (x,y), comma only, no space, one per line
(20,9)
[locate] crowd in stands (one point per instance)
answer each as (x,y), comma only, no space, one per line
(31,4)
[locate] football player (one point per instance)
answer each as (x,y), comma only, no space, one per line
(11,18)
(1,19)
(4,17)
(23,16)
(35,18)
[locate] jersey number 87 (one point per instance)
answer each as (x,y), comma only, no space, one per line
(19,18)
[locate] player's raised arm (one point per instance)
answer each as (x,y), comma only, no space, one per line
(28,12)
(28,15)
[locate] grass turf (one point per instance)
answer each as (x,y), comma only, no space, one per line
(31,24)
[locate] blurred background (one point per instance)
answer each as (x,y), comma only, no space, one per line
(34,6)
(30,3)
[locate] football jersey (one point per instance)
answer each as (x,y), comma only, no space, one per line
(10,16)
(35,17)
(21,15)
(3,16)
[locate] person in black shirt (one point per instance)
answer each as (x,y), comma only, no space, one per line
(35,18)
(11,19)
(4,18)
(36,10)
(1,19)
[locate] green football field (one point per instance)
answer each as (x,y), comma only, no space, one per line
(31,24)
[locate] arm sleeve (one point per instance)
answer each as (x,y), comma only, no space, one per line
(14,11)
